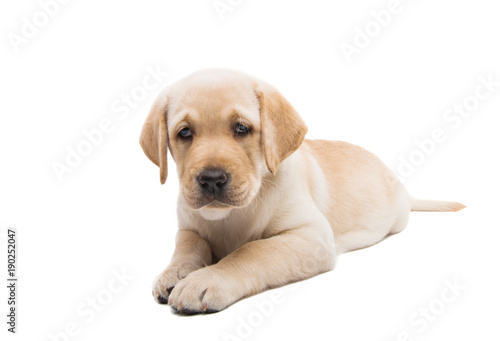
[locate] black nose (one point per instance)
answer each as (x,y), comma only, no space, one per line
(213,180)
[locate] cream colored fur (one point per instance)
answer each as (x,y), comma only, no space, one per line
(291,205)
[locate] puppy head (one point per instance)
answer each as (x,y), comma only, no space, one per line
(225,131)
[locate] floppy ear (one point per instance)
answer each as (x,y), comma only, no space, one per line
(154,135)
(282,129)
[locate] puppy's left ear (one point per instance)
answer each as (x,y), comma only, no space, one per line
(282,128)
(154,135)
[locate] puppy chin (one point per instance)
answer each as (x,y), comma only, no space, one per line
(214,213)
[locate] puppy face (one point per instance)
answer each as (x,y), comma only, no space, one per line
(225,131)
(214,137)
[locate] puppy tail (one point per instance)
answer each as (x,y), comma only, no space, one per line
(435,205)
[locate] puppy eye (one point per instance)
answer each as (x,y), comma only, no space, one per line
(241,129)
(185,132)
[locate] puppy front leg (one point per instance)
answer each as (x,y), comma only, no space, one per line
(191,253)
(290,256)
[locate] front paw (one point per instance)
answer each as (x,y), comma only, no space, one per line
(203,291)
(166,281)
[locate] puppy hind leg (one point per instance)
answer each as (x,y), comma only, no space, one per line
(356,240)
(400,223)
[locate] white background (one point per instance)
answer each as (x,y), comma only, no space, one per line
(110,212)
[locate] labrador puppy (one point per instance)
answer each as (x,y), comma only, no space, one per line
(259,206)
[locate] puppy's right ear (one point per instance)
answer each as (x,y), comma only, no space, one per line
(154,135)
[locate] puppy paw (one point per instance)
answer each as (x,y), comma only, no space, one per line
(166,281)
(203,291)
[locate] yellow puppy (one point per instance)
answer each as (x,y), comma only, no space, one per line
(259,206)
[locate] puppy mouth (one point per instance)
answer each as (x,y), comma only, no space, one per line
(227,200)
(221,201)
(215,210)
(217,205)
